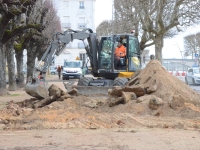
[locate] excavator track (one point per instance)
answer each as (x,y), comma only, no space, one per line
(84,88)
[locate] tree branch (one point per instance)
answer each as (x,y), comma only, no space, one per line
(10,34)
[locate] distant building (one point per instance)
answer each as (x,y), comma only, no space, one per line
(76,15)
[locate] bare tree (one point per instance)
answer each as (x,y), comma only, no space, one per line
(153,20)
(125,19)
(192,44)
(34,15)
(160,17)
(37,44)
(8,11)
(104,28)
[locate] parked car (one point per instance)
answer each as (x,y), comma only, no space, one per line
(192,76)
(53,70)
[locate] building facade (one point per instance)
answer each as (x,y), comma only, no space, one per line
(76,15)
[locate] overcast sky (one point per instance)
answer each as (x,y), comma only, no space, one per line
(103,10)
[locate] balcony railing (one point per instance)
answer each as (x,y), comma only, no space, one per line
(82,25)
(66,25)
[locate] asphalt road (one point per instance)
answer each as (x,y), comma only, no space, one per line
(194,87)
(54,78)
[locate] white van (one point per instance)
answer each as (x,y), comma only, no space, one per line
(72,69)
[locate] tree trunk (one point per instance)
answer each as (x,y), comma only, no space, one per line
(30,62)
(3,90)
(11,66)
(20,74)
(158,47)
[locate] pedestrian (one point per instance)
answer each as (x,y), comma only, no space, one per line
(59,71)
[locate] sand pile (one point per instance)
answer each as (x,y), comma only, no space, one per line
(168,86)
(155,80)
(152,98)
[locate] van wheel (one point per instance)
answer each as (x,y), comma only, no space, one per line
(193,82)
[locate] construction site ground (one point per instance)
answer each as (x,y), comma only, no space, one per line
(88,123)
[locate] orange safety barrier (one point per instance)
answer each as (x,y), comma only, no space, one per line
(183,73)
(177,73)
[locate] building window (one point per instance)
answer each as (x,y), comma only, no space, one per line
(83,57)
(81,23)
(66,22)
(66,19)
(66,3)
(81,5)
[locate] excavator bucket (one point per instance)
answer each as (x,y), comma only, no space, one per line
(87,90)
(37,90)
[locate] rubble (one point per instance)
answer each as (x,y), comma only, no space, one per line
(150,93)
(155,80)
(55,94)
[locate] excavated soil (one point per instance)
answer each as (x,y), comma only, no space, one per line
(180,108)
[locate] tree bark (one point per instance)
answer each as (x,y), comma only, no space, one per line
(30,62)
(20,74)
(158,47)
(11,66)
(3,90)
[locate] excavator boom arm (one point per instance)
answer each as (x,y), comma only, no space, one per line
(59,42)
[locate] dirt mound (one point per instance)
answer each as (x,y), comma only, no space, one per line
(168,85)
(152,98)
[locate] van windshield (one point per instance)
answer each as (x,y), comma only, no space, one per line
(72,64)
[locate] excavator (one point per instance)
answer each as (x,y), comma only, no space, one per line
(101,58)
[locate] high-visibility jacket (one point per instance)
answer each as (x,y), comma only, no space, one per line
(120,51)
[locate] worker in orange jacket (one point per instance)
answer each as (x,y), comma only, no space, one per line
(120,52)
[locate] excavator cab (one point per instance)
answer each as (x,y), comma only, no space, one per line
(107,74)
(128,64)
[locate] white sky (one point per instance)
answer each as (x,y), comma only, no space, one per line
(103,11)
(172,47)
